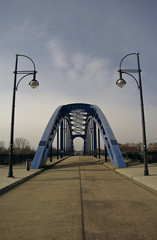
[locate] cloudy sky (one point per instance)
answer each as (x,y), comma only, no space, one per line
(77,46)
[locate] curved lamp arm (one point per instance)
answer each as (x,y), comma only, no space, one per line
(120,72)
(121,82)
(21,79)
(34,83)
(19,55)
(125,57)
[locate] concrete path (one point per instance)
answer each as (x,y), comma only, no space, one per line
(136,171)
(20,174)
(79,198)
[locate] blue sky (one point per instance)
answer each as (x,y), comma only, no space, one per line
(77,46)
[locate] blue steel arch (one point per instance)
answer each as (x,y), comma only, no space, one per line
(78,117)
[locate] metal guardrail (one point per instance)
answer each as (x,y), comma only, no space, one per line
(137,156)
(20,158)
(17,158)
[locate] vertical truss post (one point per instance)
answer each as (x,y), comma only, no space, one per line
(85,147)
(95,140)
(65,145)
(91,136)
(67,141)
(69,144)
(61,140)
(72,147)
(89,141)
(51,153)
(99,142)
(105,154)
(64,133)
(57,143)
(86,141)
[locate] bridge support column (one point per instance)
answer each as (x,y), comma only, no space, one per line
(105,154)
(84,147)
(72,147)
(51,153)
(89,143)
(92,140)
(95,140)
(99,142)
(68,141)
(64,136)
(61,140)
(58,143)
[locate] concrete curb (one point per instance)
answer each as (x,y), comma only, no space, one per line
(17,183)
(137,176)
(147,181)
(22,180)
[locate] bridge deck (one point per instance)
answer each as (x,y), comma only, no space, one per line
(78,199)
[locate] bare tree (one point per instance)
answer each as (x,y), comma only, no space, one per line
(22,145)
(21,142)
(129,147)
(2,147)
(152,146)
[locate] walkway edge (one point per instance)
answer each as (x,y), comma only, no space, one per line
(141,179)
(138,178)
(17,183)
(24,179)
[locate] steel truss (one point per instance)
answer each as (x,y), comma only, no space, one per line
(78,120)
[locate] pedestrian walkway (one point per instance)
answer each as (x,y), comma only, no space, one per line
(79,198)
(134,171)
(20,174)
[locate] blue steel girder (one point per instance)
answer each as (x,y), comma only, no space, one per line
(80,119)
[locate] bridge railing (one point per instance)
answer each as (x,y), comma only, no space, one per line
(137,156)
(17,158)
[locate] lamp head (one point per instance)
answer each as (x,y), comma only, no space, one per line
(34,83)
(121,82)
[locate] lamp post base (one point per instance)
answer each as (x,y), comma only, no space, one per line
(146,173)
(10,175)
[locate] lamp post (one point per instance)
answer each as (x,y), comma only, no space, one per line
(34,83)
(121,83)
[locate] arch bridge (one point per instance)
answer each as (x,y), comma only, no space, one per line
(78,120)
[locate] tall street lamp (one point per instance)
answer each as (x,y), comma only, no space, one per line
(33,83)
(121,83)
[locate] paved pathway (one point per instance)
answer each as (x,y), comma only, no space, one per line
(82,199)
(135,171)
(20,174)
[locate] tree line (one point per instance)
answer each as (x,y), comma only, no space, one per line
(137,147)
(22,146)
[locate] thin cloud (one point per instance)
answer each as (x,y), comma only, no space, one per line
(78,69)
